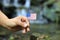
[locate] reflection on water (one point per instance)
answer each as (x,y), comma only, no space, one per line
(43,27)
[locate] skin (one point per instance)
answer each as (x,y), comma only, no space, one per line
(14,24)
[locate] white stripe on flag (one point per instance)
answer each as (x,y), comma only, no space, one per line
(32,16)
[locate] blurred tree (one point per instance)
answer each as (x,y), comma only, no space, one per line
(1,6)
(9,11)
(21,2)
(37,2)
(58,6)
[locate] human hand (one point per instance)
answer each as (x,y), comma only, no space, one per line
(18,23)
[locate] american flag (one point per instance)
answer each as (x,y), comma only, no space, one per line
(32,16)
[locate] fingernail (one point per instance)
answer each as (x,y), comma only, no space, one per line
(25,25)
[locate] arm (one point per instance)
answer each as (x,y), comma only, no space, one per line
(4,20)
(14,24)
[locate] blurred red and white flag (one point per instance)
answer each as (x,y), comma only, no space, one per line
(32,16)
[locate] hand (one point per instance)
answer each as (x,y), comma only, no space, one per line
(19,23)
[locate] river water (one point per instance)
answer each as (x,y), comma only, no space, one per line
(46,29)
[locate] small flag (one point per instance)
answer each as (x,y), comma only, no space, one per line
(31,16)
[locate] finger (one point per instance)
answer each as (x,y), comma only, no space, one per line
(23,21)
(24,31)
(20,23)
(28,29)
(25,24)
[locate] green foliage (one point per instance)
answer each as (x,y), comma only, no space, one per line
(22,7)
(35,2)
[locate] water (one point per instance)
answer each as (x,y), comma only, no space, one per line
(47,29)
(52,30)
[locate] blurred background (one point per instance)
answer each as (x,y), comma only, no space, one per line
(44,17)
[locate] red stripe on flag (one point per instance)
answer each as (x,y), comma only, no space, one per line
(32,16)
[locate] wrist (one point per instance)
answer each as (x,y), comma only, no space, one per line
(8,23)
